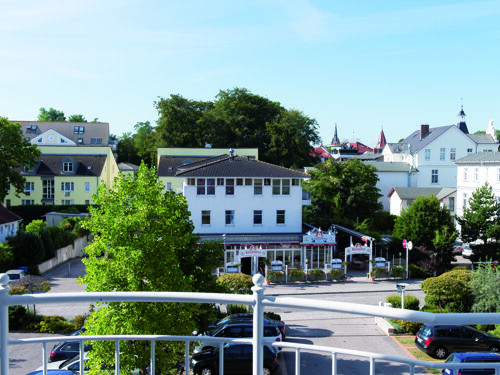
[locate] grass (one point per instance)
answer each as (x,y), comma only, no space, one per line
(408,342)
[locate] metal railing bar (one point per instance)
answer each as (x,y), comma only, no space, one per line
(152,353)
(297,361)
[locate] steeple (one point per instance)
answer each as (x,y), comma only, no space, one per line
(335,139)
(380,143)
(461,120)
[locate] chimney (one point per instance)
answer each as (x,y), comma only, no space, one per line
(424,130)
(231,153)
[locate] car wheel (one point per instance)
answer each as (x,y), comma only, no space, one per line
(207,371)
(440,352)
(267,371)
(494,348)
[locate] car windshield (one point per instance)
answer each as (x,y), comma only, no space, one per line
(14,276)
(452,359)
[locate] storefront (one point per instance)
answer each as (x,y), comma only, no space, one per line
(317,247)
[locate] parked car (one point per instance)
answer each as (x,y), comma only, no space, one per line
(52,372)
(470,357)
(467,252)
(457,248)
(73,365)
(440,340)
(67,349)
(238,359)
(15,275)
(249,316)
(237,329)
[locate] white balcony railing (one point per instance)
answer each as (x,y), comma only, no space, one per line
(257,301)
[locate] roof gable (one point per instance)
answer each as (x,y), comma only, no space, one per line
(52,137)
(6,216)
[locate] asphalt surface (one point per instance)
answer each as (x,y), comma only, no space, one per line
(304,326)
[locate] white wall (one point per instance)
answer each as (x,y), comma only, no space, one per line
(8,229)
(244,202)
(389,180)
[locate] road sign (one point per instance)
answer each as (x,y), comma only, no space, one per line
(404,244)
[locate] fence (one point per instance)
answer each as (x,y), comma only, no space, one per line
(258,301)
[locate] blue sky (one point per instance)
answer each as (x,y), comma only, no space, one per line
(365,65)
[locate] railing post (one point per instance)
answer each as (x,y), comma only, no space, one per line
(258,325)
(4,324)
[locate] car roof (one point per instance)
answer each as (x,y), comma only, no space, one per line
(247,322)
(491,355)
(14,272)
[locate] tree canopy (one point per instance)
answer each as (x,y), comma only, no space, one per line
(144,241)
(51,115)
(343,193)
(426,223)
(15,152)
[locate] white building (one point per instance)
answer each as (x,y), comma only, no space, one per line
(9,223)
(401,198)
(474,171)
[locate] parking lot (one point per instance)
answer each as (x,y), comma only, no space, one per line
(304,326)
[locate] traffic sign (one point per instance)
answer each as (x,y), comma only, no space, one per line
(404,244)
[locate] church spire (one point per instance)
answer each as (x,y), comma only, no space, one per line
(335,139)
(461,120)
(380,143)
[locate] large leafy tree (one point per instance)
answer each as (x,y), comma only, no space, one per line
(15,153)
(144,241)
(145,142)
(426,223)
(51,115)
(342,193)
(126,150)
(485,286)
(480,218)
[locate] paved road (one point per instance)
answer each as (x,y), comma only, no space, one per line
(305,326)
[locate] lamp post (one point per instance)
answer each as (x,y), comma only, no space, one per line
(409,246)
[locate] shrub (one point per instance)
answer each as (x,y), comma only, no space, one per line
(236,309)
(272,315)
(411,302)
(335,274)
(297,275)
(52,324)
(275,276)
(417,272)
(409,327)
(237,283)
(397,272)
(28,249)
(317,275)
(80,320)
(63,239)
(18,317)
(36,226)
(80,231)
(48,244)
(6,256)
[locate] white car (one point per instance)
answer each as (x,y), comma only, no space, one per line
(73,365)
(467,251)
(15,275)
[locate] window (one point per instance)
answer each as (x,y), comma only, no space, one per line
(87,202)
(257,185)
(248,182)
(257,216)
(220,181)
(67,166)
(465,201)
(229,217)
(200,186)
(67,202)
(285,189)
(498,174)
(427,154)
(67,186)
(48,189)
(276,186)
(442,153)
(267,182)
(205,217)
(451,204)
(466,177)
(210,186)
(295,181)
(87,187)
(7,202)
(29,186)
(95,141)
(191,181)
(78,129)
(434,176)
(230,186)
(169,186)
(239,182)
(280,216)
(469,150)
(476,174)
(28,202)
(31,129)
(453,153)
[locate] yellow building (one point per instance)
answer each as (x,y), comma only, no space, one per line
(66,175)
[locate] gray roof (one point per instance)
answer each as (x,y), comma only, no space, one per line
(83,165)
(482,138)
(414,193)
(370,156)
(480,157)
(385,166)
(237,166)
(417,144)
(397,147)
(125,167)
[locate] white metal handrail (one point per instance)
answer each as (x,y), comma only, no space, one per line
(258,301)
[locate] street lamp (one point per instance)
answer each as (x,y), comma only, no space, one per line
(409,246)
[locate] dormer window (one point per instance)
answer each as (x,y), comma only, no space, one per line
(67,166)
(31,129)
(78,129)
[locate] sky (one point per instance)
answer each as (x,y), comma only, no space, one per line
(363,65)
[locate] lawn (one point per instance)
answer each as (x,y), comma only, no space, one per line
(408,343)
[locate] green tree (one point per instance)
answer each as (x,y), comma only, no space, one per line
(480,218)
(343,193)
(426,223)
(36,226)
(450,292)
(291,140)
(485,286)
(145,142)
(178,122)
(51,115)
(144,241)
(126,150)
(76,118)
(15,153)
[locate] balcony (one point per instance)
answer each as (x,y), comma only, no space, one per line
(375,363)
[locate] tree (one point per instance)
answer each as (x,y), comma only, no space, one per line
(126,150)
(480,218)
(485,286)
(144,241)
(291,140)
(426,223)
(15,153)
(343,193)
(145,142)
(76,118)
(51,115)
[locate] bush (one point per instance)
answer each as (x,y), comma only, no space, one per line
(236,309)
(63,239)
(397,272)
(335,274)
(52,324)
(6,256)
(237,283)
(80,320)
(275,276)
(36,226)
(48,244)
(297,275)
(411,302)
(28,249)
(409,327)
(417,272)
(272,315)
(18,317)
(317,275)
